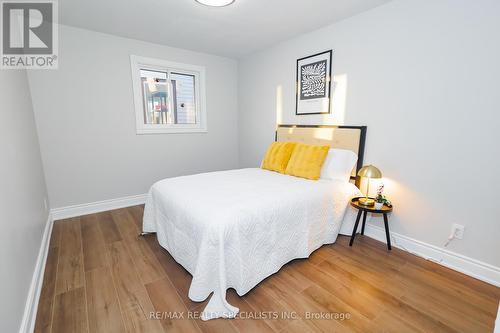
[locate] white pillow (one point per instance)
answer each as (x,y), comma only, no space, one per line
(338,164)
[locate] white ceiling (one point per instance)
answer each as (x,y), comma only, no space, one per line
(244,27)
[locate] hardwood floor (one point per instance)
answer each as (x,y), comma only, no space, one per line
(101,277)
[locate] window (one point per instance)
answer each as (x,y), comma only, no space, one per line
(169,97)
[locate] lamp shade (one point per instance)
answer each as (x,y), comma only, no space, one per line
(369,171)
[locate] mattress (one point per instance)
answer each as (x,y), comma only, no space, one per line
(232,229)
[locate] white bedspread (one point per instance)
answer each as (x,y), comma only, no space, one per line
(232,229)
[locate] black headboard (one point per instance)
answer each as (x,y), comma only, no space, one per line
(359,135)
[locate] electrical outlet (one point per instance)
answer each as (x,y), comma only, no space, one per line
(458,231)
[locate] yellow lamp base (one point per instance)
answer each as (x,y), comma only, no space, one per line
(366,201)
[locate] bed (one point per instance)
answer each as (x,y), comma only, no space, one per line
(232,229)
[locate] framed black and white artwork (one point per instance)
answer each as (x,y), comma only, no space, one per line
(314,84)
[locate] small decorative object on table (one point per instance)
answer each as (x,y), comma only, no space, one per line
(381,200)
(364,210)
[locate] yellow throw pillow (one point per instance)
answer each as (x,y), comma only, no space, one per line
(306,161)
(277,156)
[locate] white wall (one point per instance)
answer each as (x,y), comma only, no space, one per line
(22,194)
(424,77)
(85,118)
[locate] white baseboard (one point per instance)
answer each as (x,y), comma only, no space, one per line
(472,267)
(97,207)
(31,307)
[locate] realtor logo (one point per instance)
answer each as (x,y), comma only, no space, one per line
(29,34)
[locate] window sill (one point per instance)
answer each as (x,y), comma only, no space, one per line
(145,131)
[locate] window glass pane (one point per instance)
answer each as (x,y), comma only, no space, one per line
(167,96)
(155,97)
(183,94)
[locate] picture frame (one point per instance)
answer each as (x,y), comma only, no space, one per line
(313,84)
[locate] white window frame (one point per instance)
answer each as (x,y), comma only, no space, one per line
(138,63)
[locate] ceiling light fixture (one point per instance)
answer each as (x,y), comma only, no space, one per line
(215,3)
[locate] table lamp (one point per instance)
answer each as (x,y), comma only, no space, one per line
(368,171)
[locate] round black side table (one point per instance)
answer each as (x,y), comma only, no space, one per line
(362,209)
